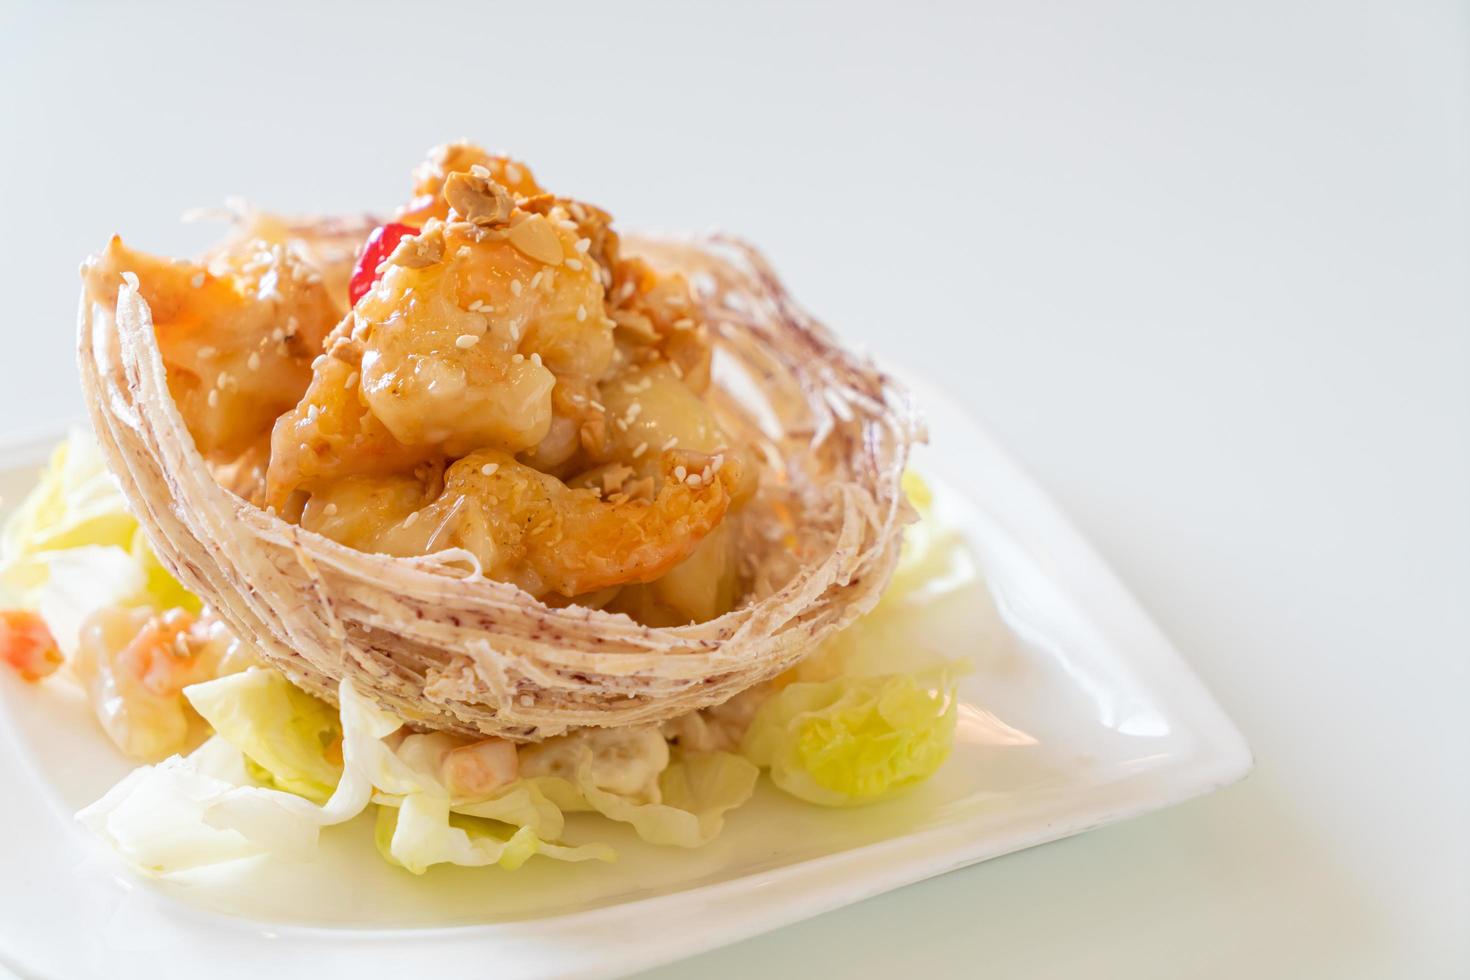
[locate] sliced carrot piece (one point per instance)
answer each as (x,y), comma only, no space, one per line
(27,645)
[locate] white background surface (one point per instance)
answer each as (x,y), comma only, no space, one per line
(1204,268)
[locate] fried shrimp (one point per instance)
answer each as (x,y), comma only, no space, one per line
(237,340)
(457,347)
(504,382)
(530,528)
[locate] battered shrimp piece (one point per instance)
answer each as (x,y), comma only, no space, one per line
(440,361)
(457,347)
(657,320)
(237,342)
(371,513)
(328,245)
(699,588)
(528,527)
(331,434)
(650,409)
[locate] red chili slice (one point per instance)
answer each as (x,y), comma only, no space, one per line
(380,244)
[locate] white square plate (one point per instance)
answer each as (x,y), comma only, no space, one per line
(1079,713)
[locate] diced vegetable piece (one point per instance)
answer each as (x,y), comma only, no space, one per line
(27,645)
(479,769)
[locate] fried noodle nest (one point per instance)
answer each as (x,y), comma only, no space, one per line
(445,648)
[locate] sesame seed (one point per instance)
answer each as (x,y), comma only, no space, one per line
(678,371)
(680,472)
(536,358)
(489,469)
(642,448)
(536,279)
(581,313)
(206,351)
(683,324)
(634,410)
(515,286)
(412,519)
(512,173)
(527,701)
(254,362)
(352,380)
(465,341)
(672,442)
(224,379)
(583,244)
(213,398)
(598,405)
(517,358)
(573,264)
(330,509)
(621,424)
(693,480)
(278,335)
(197,281)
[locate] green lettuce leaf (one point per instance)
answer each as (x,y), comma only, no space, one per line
(204,808)
(934,560)
(422,831)
(76,513)
(76,503)
(854,740)
(521,804)
(626,775)
(160,589)
(291,740)
(696,791)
